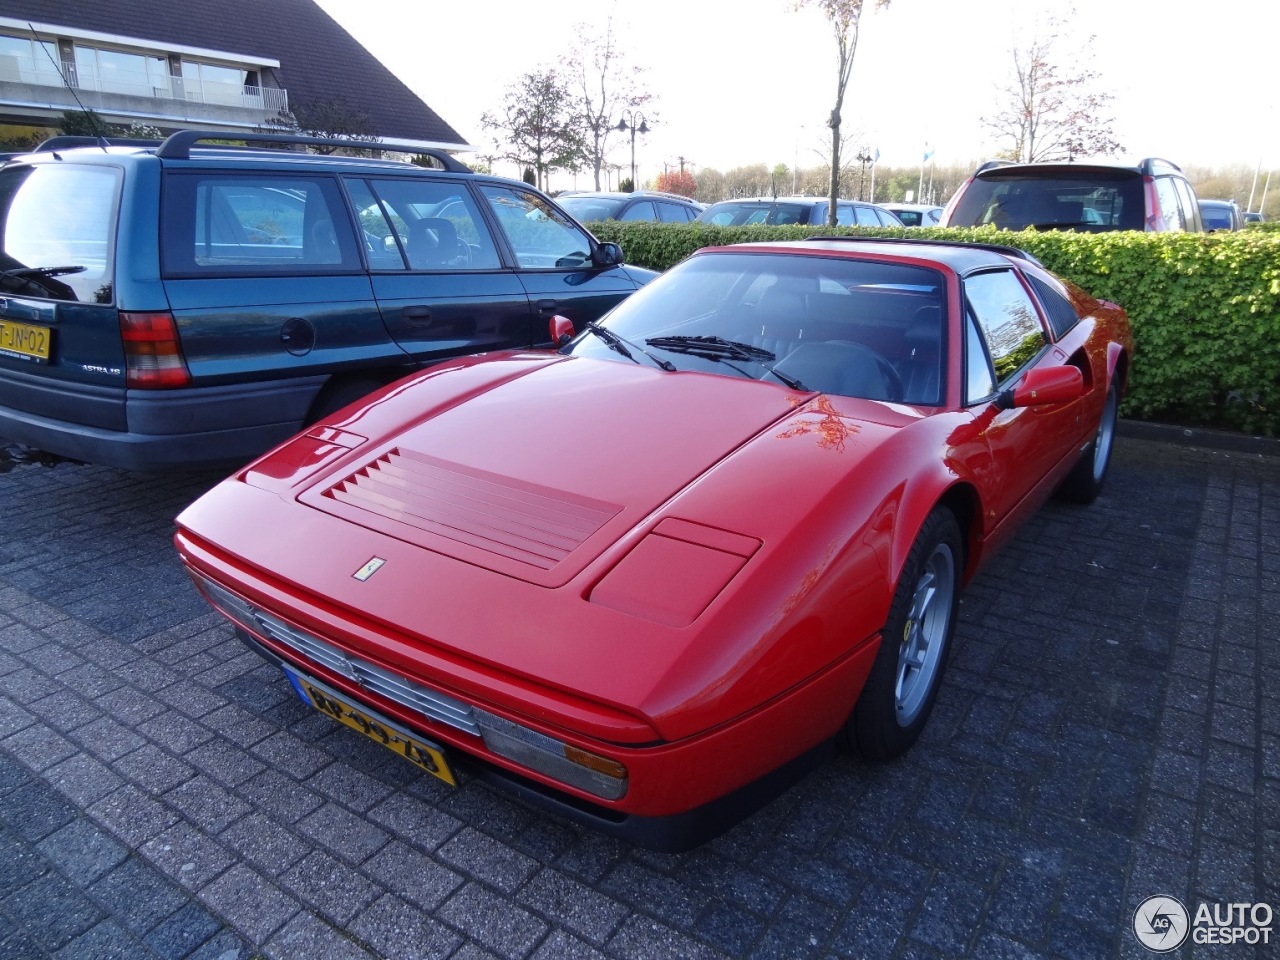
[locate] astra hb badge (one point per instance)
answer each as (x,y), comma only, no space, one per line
(369,569)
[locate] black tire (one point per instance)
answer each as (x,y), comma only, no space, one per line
(336,394)
(915,644)
(1085,481)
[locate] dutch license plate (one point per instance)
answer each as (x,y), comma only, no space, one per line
(421,753)
(25,340)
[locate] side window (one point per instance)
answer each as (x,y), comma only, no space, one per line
(541,237)
(432,224)
(639,211)
(1170,205)
(255,224)
(978,380)
(1190,206)
(1008,320)
(674,212)
(1062,315)
(867,217)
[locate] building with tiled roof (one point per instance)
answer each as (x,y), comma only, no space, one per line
(234,65)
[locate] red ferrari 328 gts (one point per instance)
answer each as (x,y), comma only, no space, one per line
(650,578)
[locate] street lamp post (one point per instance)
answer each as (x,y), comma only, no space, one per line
(635,127)
(864,157)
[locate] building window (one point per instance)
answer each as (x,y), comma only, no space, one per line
(211,83)
(114,71)
(23,60)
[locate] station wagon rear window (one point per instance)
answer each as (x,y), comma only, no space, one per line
(58,227)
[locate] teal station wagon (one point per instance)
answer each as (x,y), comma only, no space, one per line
(175,305)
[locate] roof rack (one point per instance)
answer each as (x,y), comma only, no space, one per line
(178,146)
(70,142)
(1015,252)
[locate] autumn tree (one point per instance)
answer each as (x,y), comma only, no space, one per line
(1053,109)
(604,87)
(676,181)
(537,125)
(845,17)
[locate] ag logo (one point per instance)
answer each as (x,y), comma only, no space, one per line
(1161,924)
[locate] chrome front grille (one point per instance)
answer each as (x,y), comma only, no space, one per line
(430,703)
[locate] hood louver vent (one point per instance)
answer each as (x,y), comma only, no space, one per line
(511,519)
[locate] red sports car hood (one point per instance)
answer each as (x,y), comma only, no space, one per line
(537,471)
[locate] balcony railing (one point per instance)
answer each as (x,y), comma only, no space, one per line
(31,71)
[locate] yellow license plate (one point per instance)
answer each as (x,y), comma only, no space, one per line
(25,340)
(421,753)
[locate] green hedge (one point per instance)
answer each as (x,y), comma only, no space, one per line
(1205,308)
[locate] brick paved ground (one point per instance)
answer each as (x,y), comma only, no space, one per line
(1109,730)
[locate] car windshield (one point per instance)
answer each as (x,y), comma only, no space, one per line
(1090,200)
(737,213)
(590,208)
(858,328)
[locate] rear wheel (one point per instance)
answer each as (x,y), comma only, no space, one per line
(1084,483)
(916,641)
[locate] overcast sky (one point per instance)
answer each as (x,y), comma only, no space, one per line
(752,81)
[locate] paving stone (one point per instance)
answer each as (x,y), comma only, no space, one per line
(257,907)
(81,850)
(493,922)
(328,885)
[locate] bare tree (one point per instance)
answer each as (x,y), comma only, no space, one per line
(538,126)
(605,86)
(334,118)
(845,17)
(1053,109)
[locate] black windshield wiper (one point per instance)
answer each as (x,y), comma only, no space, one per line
(621,345)
(713,348)
(791,382)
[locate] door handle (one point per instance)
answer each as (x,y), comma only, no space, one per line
(416,314)
(548,307)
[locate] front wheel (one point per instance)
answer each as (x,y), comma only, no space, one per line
(1084,483)
(914,646)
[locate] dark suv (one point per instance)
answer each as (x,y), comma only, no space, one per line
(176,305)
(1088,197)
(643,205)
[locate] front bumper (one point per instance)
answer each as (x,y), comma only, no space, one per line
(677,794)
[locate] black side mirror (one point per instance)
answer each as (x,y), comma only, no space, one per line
(606,255)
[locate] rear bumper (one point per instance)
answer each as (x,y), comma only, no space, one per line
(198,427)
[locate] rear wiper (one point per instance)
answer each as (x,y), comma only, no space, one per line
(15,279)
(621,345)
(713,348)
(29,273)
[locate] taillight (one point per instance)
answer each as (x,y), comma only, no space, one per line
(152,354)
